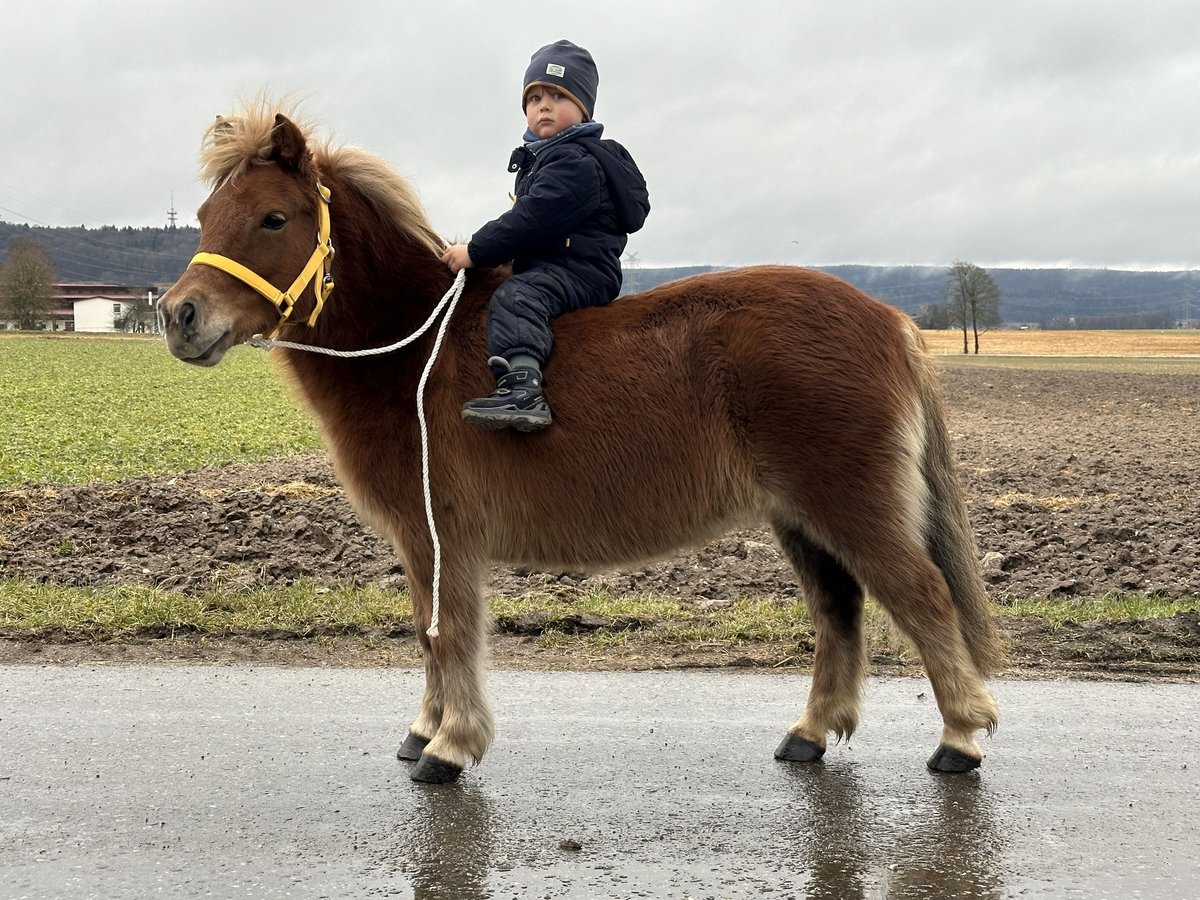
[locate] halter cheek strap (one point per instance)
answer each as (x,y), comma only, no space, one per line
(316,271)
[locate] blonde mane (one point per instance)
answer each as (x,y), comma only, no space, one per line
(233,144)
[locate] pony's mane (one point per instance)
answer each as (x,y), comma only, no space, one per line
(235,143)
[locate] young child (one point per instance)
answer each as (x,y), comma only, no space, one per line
(577,199)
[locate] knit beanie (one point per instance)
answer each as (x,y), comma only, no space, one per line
(567,67)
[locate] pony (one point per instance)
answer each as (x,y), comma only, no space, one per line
(773,393)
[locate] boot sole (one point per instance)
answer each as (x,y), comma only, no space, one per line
(494,421)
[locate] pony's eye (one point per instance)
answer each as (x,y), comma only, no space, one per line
(273,221)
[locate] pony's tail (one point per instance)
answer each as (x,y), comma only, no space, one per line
(950,540)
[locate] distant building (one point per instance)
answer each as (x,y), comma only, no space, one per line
(86,306)
(98,314)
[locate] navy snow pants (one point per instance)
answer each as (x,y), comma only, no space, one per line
(521,308)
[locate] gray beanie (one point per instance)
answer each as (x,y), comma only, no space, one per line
(567,67)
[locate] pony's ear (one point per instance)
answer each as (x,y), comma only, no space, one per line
(288,147)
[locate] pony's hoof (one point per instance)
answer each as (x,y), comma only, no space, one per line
(410,750)
(431,770)
(948,761)
(797,749)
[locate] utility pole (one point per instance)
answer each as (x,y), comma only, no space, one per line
(631,266)
(171,214)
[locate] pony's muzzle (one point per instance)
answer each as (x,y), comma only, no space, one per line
(191,336)
(179,319)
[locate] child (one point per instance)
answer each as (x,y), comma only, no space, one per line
(577,199)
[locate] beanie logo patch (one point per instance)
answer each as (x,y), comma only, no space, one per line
(553,69)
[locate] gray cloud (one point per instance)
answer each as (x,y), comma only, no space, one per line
(803,132)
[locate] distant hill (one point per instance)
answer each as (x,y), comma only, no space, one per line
(141,257)
(137,257)
(1095,298)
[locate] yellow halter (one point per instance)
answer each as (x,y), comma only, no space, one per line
(317,270)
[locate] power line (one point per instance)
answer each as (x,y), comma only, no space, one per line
(88,242)
(39,201)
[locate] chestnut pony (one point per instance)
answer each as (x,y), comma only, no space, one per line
(763,394)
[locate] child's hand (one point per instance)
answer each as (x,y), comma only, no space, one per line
(457,257)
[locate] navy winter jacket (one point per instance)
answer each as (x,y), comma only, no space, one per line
(577,200)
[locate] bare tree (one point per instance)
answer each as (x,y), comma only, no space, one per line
(933,316)
(972,299)
(27,282)
(137,317)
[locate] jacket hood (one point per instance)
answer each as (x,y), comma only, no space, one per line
(626,185)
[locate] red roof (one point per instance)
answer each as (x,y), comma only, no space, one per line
(67,292)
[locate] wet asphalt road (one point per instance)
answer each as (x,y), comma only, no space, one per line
(233,782)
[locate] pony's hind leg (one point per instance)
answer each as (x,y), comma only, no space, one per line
(455,725)
(909,585)
(835,602)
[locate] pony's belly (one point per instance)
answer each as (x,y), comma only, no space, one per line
(609,545)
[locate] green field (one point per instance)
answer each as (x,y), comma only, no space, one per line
(81,409)
(88,408)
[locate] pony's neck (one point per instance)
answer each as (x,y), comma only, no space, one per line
(386,281)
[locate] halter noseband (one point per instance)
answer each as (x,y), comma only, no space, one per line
(317,270)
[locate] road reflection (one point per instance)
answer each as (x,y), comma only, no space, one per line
(934,839)
(850,836)
(445,846)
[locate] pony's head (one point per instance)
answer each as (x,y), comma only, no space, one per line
(264,255)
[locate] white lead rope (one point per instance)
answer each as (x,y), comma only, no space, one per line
(447,303)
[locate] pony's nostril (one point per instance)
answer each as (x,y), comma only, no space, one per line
(187,315)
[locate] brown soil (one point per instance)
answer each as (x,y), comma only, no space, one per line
(1079,484)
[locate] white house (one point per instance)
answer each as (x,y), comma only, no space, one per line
(98,313)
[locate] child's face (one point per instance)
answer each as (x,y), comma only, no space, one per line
(549,111)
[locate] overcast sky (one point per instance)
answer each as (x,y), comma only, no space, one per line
(1041,133)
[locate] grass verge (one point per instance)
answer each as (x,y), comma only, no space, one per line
(32,611)
(597,620)
(1110,608)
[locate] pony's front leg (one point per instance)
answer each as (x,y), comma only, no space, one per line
(455,725)
(425,726)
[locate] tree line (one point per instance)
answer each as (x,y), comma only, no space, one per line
(28,276)
(131,256)
(1051,298)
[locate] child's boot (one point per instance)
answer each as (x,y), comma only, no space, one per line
(517,402)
